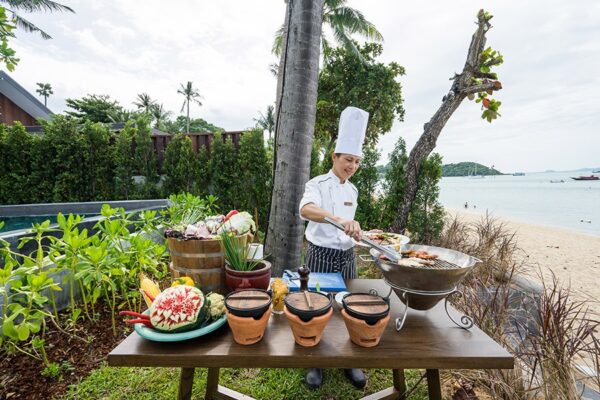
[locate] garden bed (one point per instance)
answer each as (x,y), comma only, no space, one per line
(72,358)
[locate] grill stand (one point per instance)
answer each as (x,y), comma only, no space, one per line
(465,323)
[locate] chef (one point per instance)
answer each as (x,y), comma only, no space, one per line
(333,195)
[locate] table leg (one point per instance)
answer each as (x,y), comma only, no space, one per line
(399,382)
(395,392)
(212,383)
(433,384)
(186,380)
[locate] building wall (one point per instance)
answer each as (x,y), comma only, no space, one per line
(10,112)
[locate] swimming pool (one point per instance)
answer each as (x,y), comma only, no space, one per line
(25,222)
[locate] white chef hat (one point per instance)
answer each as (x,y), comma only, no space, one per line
(351,134)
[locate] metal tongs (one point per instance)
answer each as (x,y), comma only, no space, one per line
(389,253)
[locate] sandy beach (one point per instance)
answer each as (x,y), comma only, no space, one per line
(572,256)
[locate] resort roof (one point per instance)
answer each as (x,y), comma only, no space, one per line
(22,98)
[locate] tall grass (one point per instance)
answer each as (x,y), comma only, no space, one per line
(548,333)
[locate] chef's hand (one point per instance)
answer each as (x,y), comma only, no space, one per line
(351,228)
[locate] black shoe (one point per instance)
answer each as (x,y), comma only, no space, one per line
(357,377)
(314,377)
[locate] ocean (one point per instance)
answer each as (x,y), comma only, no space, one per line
(532,198)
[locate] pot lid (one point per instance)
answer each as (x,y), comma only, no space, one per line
(367,304)
(307,301)
(248,299)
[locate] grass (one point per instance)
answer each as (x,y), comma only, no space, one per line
(557,333)
(161,383)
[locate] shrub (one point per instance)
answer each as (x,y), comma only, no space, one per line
(17,152)
(254,177)
(99,162)
(124,163)
(203,178)
(145,159)
(179,165)
(393,183)
(426,219)
(366,180)
(224,172)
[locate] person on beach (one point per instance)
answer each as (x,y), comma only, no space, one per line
(466,205)
(332,195)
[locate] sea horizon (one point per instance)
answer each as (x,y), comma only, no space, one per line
(551,199)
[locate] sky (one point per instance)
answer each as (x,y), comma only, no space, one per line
(551,86)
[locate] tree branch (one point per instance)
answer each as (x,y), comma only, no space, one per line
(461,87)
(484,87)
(484,75)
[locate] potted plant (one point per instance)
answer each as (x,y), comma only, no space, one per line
(242,270)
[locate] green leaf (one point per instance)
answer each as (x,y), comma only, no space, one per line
(23,332)
(8,329)
(34,327)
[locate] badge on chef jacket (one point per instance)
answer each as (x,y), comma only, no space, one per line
(348,203)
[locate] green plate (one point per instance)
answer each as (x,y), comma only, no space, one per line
(157,336)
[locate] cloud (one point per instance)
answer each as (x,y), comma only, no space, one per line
(551,48)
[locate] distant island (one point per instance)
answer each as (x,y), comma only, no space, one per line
(467,168)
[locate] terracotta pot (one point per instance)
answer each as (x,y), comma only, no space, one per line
(248,307)
(365,306)
(255,279)
(308,334)
(363,334)
(297,304)
(247,330)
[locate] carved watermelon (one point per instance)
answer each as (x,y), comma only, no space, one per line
(179,308)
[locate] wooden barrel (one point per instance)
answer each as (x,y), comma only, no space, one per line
(201,260)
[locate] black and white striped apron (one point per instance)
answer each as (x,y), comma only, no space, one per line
(324,259)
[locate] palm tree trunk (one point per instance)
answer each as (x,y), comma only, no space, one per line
(294,132)
(187,125)
(281,66)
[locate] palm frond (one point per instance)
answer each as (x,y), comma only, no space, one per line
(278,42)
(354,22)
(342,37)
(37,5)
(332,4)
(326,46)
(27,26)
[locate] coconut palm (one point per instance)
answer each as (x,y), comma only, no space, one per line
(344,22)
(13,6)
(44,90)
(159,114)
(294,132)
(144,102)
(267,121)
(191,94)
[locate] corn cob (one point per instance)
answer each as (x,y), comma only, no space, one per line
(149,289)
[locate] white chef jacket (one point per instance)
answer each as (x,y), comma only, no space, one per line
(340,199)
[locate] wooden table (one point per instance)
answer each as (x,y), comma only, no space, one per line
(429,340)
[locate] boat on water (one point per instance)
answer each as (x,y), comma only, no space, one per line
(586,178)
(519,174)
(557,181)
